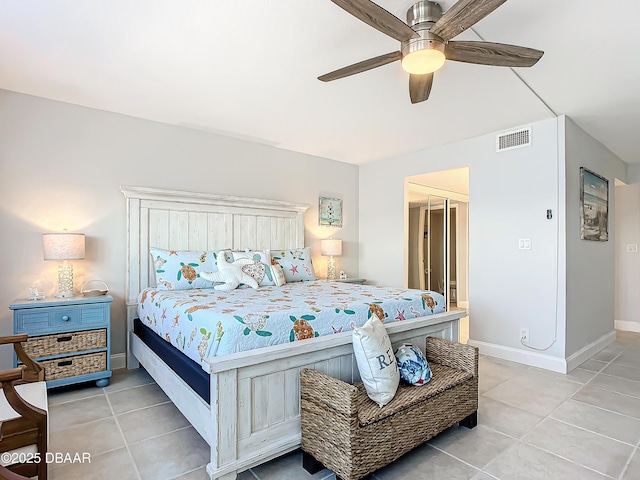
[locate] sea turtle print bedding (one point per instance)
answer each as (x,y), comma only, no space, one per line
(204,323)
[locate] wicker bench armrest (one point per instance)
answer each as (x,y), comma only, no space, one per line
(337,395)
(452,354)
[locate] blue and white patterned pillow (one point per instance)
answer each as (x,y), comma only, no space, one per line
(180,269)
(278,275)
(413,366)
(260,270)
(296,264)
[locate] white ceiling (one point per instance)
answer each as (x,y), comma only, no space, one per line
(248,69)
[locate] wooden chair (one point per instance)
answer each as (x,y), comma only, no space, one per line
(6,474)
(23,414)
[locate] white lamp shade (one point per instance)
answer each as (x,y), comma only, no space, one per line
(331,247)
(63,246)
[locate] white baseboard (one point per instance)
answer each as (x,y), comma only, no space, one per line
(590,350)
(548,362)
(534,359)
(627,326)
(118,360)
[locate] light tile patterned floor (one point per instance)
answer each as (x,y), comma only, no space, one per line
(533,424)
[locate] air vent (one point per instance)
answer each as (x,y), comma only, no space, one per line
(515,139)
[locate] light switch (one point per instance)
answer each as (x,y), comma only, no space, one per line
(524,244)
(632,247)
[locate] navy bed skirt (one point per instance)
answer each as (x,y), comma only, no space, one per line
(190,371)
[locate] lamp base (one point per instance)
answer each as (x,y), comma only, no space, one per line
(65,280)
(331,269)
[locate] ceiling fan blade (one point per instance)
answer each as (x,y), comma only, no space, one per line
(489,53)
(463,15)
(378,18)
(361,66)
(420,87)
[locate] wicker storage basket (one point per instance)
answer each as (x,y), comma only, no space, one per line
(343,430)
(60,343)
(73,366)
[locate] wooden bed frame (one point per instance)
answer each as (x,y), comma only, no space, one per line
(254,413)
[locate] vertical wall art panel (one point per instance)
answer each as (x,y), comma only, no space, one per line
(594,206)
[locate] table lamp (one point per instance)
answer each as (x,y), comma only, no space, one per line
(331,248)
(64,246)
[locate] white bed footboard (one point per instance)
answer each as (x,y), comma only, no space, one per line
(254,414)
(255,398)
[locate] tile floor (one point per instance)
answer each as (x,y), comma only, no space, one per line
(533,424)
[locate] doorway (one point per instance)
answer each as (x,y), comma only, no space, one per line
(437,236)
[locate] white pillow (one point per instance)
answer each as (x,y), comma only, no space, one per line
(278,275)
(376,362)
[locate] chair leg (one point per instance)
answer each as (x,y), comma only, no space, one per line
(310,464)
(42,468)
(42,449)
(470,421)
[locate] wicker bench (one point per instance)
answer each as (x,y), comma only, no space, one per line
(343,430)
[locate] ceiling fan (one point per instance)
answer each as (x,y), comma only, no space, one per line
(426,41)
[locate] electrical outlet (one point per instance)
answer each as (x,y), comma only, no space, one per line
(524,244)
(524,335)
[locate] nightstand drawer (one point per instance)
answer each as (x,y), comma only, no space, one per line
(74,366)
(85,315)
(39,320)
(93,315)
(61,343)
(35,319)
(67,316)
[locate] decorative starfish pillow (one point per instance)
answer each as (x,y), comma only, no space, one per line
(230,274)
(296,264)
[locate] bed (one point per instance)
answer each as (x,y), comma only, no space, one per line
(250,412)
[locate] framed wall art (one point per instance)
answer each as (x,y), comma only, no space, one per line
(594,206)
(330,212)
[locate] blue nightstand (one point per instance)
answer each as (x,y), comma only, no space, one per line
(70,337)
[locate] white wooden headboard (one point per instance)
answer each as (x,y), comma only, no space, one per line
(177,220)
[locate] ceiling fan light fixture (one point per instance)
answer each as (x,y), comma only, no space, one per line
(424,54)
(421,62)
(425,35)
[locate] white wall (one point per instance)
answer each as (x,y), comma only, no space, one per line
(508,198)
(62,166)
(562,289)
(590,285)
(627,284)
(633,173)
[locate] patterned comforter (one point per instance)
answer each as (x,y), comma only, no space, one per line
(205,323)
